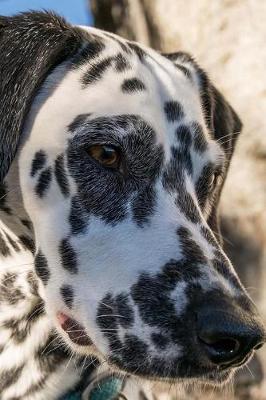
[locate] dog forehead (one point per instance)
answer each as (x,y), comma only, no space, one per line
(114,83)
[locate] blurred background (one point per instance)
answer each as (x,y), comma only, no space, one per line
(75,11)
(228,38)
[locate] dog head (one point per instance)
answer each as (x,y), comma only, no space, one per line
(122,156)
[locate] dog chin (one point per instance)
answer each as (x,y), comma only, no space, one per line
(217,378)
(213,378)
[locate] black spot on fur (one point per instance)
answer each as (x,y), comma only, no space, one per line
(221,264)
(183,160)
(132,85)
(27,243)
(106,319)
(174,172)
(61,175)
(41,267)
(183,134)
(77,218)
(206,96)
(143,206)
(10,290)
(121,43)
(27,223)
(152,293)
(9,377)
(137,50)
(67,294)
(68,256)
(33,283)
(4,249)
(21,328)
(133,354)
(121,63)
(78,121)
(173,110)
(152,298)
(185,70)
(200,142)
(190,249)
(203,189)
(175,57)
(135,349)
(88,53)
(124,310)
(12,242)
(206,233)
(96,71)
(114,312)
(38,162)
(50,356)
(186,205)
(159,340)
(3,199)
(44,181)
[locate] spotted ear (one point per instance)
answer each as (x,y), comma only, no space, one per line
(31,45)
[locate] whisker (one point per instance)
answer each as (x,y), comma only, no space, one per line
(110,315)
(228,135)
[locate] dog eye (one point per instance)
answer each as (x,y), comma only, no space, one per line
(106,155)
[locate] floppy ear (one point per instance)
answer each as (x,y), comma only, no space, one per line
(31,45)
(225,125)
(224,122)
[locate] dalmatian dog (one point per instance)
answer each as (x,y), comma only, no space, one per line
(112,160)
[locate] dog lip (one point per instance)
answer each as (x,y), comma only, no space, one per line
(75,331)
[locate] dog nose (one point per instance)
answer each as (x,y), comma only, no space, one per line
(228,339)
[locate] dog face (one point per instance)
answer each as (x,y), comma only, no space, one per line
(121,165)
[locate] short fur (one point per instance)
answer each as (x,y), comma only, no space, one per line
(130,257)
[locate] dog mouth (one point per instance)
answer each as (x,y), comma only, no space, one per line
(74,330)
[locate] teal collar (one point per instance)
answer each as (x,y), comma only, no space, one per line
(106,387)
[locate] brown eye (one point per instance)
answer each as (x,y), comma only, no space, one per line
(106,155)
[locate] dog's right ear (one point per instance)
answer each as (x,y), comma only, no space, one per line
(31,45)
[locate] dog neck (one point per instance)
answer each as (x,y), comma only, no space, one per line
(14,220)
(23,321)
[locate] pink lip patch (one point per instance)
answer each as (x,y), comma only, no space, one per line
(74,330)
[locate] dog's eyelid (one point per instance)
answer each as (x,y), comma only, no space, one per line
(104,139)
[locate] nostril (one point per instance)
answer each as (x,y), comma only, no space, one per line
(259,346)
(226,339)
(223,347)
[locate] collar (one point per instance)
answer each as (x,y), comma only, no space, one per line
(104,387)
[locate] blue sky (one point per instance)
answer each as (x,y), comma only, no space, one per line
(75,11)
